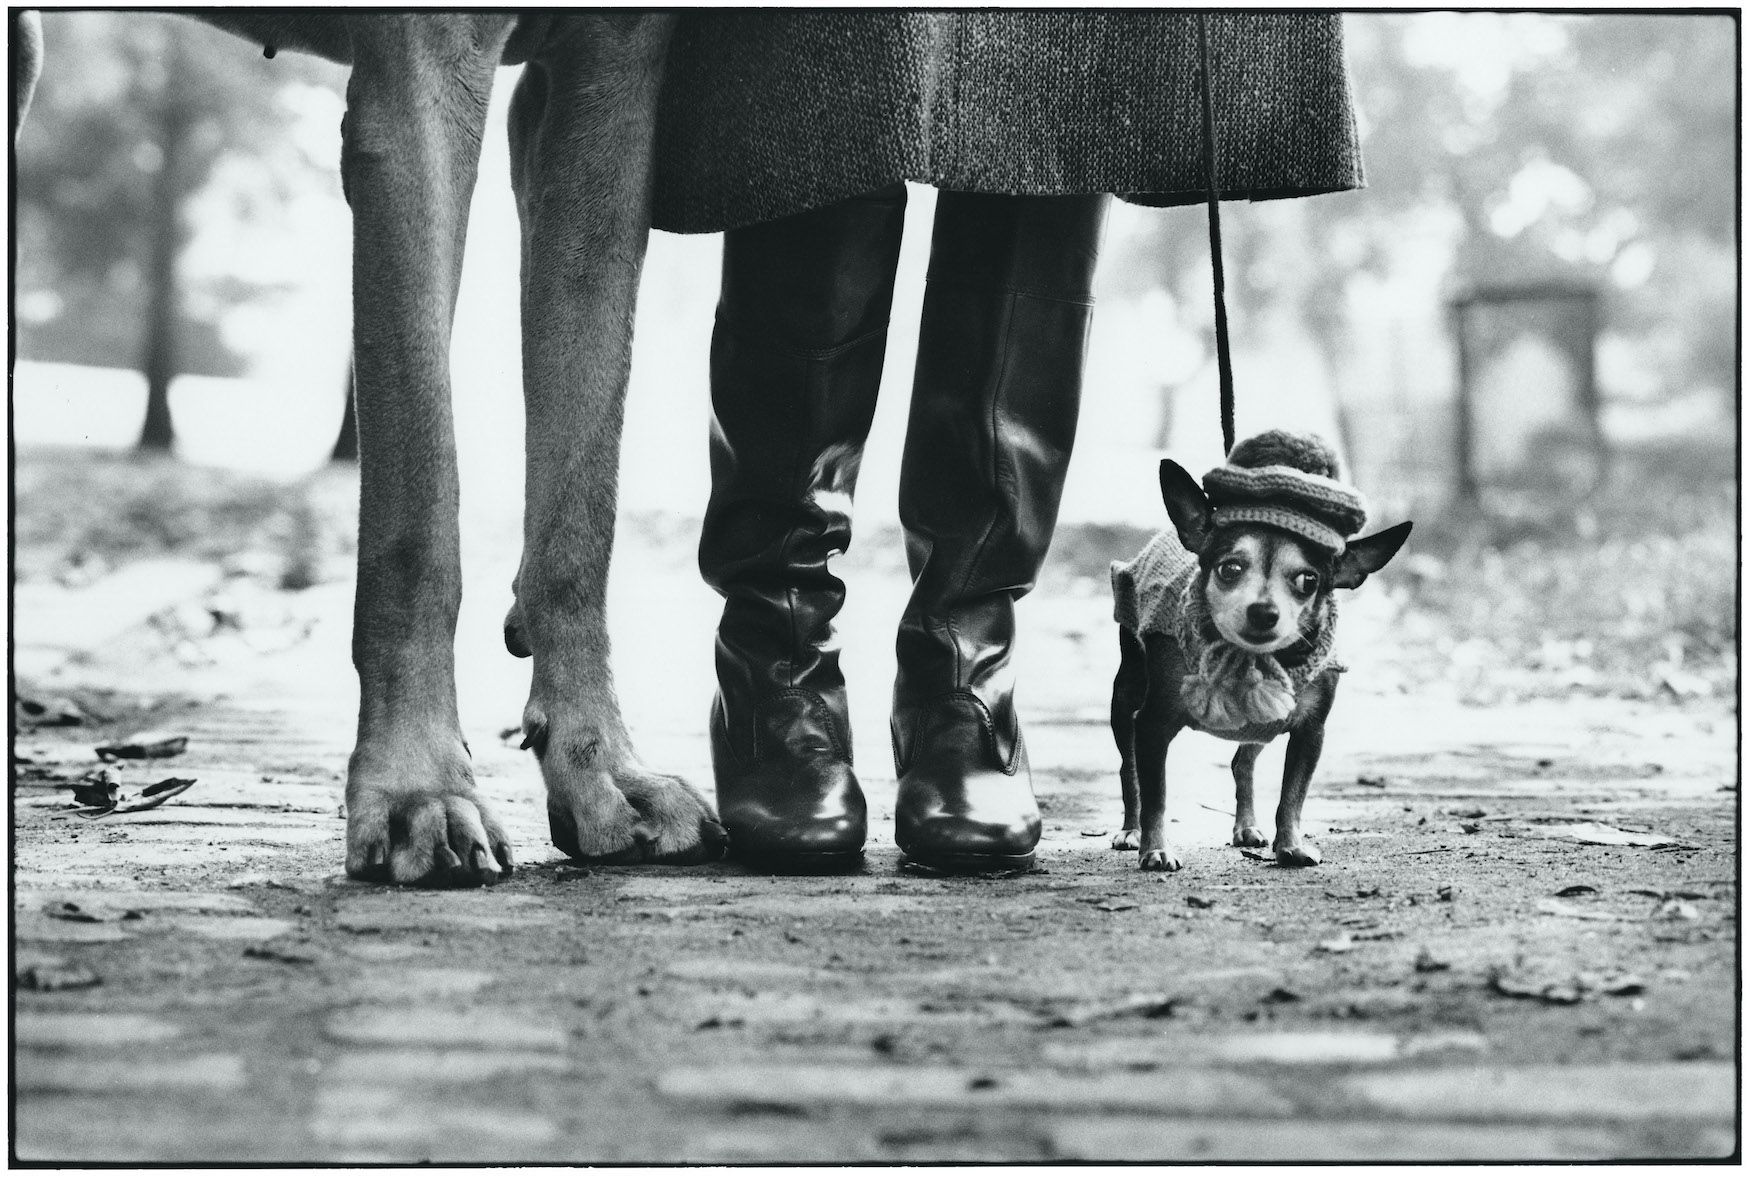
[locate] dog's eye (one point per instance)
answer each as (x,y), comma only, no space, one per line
(1305,583)
(1229,571)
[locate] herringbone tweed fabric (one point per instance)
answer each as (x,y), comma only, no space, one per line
(767,112)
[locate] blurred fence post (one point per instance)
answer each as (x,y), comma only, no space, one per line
(1576,337)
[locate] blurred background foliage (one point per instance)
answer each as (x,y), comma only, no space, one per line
(177,195)
(145,129)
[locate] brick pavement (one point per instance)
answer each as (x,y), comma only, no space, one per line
(198,983)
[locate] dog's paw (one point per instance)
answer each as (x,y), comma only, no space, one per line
(677,826)
(1166,859)
(1297,851)
(1127,840)
(609,810)
(430,831)
(1249,836)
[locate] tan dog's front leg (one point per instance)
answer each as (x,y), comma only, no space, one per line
(1246,831)
(416,105)
(582,128)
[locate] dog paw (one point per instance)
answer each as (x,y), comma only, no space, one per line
(425,828)
(1297,851)
(1166,859)
(1127,840)
(1249,836)
(607,809)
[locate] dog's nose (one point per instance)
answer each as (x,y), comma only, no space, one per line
(1261,615)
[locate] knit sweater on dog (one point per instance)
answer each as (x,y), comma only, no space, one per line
(1157,592)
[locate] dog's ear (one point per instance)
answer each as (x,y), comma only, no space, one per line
(1187,505)
(1368,555)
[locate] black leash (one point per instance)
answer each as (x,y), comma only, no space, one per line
(1224,361)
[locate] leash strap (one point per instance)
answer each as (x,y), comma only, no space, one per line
(1223,356)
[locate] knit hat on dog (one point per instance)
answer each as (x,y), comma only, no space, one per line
(1291,481)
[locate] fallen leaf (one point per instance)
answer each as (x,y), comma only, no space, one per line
(1624,986)
(1550,992)
(1577,889)
(45,978)
(1427,962)
(1202,901)
(278,955)
(1280,995)
(114,802)
(1557,907)
(1093,833)
(1372,781)
(143,746)
(1595,834)
(1472,812)
(48,713)
(1143,1005)
(1469,827)
(1114,905)
(1256,856)
(1684,685)
(99,788)
(716,1023)
(72,913)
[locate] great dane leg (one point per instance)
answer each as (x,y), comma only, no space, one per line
(416,107)
(582,126)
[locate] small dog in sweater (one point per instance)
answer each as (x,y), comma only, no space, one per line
(1225,625)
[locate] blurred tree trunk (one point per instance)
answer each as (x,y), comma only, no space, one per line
(163,297)
(346,446)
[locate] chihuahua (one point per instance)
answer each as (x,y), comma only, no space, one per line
(1225,626)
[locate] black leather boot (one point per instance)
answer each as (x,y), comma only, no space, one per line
(795,368)
(993,417)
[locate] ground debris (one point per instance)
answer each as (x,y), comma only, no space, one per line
(143,746)
(1557,907)
(1427,962)
(1372,780)
(1114,905)
(1570,891)
(1134,1005)
(102,796)
(1202,901)
(54,978)
(1676,909)
(56,712)
(1573,990)
(1344,942)
(72,913)
(278,955)
(1596,834)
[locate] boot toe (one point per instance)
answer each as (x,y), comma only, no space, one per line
(812,812)
(957,820)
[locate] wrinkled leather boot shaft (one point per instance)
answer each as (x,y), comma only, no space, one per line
(993,420)
(796,363)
